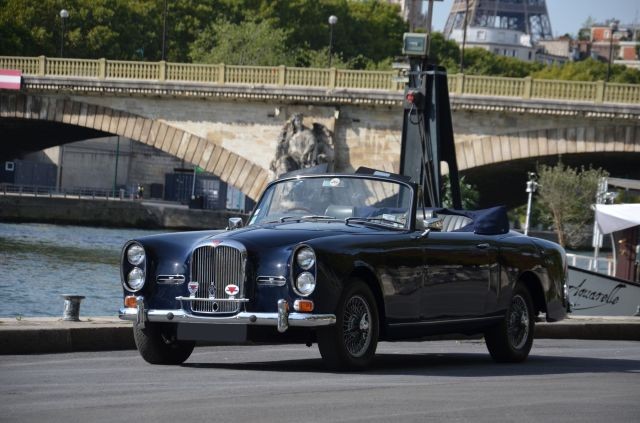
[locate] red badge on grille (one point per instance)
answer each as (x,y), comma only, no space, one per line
(216,242)
(231,289)
(193,288)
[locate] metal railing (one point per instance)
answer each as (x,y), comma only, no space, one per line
(329,78)
(74,192)
(602,264)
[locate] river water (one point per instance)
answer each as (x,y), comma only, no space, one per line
(41,262)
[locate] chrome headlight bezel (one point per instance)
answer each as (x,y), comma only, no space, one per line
(304,271)
(128,266)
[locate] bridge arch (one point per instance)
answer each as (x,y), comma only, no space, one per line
(493,149)
(231,168)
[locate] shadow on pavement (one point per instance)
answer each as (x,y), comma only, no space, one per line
(459,365)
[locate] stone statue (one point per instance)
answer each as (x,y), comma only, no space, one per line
(300,147)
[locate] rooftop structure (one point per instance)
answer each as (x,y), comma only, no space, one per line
(505,27)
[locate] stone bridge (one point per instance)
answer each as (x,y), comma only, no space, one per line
(227,119)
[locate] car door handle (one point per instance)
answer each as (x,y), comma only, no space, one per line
(482,246)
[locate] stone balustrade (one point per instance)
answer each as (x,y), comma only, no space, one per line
(327,78)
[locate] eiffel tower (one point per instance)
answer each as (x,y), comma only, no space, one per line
(529,17)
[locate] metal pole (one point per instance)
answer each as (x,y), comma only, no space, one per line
(62,39)
(531,188)
(332,21)
(193,185)
(429,17)
(464,38)
(64,14)
(115,173)
(526,223)
(330,42)
(612,29)
(164,30)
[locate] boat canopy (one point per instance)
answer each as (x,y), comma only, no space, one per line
(617,217)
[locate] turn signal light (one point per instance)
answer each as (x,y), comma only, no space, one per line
(304,306)
(130,301)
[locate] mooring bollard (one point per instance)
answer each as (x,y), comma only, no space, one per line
(72,307)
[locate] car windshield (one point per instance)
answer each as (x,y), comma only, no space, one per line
(356,199)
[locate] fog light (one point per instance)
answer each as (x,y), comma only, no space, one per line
(304,306)
(130,301)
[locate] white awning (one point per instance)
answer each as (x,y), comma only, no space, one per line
(616,217)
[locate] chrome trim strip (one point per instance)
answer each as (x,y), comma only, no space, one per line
(271,280)
(243,318)
(170,279)
(439,322)
(214,300)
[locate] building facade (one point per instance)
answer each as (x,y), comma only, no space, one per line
(504,27)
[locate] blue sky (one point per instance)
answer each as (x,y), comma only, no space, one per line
(566,15)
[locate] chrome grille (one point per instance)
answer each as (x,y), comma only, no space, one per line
(214,268)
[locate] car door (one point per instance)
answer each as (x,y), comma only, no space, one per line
(459,268)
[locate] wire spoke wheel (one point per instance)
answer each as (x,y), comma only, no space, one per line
(351,343)
(518,326)
(511,340)
(355,327)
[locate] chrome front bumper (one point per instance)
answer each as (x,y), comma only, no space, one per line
(282,319)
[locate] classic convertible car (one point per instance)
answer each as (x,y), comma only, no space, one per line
(344,261)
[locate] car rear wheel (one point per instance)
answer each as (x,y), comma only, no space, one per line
(157,344)
(511,340)
(351,343)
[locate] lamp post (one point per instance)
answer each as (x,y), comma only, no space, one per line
(164,30)
(532,185)
(64,15)
(333,19)
(613,27)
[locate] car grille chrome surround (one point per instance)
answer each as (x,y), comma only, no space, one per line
(215,267)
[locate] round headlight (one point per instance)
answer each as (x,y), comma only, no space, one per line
(306,283)
(306,258)
(135,279)
(135,254)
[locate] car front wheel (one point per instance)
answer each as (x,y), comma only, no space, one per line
(157,344)
(351,343)
(511,340)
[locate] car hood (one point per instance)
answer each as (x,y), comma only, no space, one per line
(280,234)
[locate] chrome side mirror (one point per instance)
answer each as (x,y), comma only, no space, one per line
(235,223)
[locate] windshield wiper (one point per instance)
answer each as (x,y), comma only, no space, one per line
(285,218)
(382,220)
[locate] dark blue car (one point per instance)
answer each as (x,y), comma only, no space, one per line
(344,261)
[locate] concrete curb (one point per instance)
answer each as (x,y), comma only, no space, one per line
(51,335)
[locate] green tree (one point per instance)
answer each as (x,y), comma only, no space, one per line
(247,43)
(469,194)
(482,62)
(565,195)
(589,70)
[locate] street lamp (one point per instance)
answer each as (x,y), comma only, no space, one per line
(333,19)
(532,185)
(164,30)
(64,14)
(613,27)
